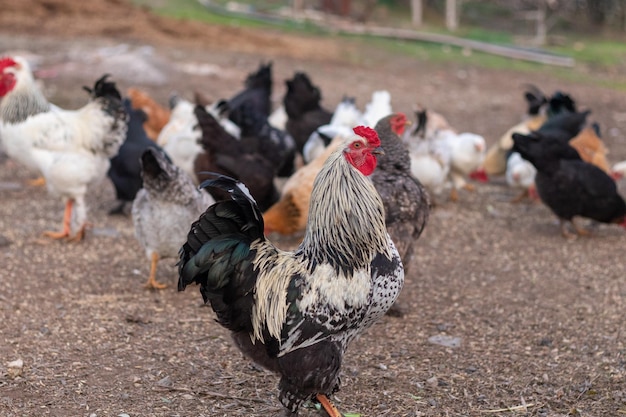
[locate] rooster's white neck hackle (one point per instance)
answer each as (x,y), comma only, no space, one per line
(26,99)
(345,231)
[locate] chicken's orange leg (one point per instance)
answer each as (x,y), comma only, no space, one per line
(67,218)
(80,234)
(37,182)
(152,282)
(328,406)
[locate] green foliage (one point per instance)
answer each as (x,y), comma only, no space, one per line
(593,56)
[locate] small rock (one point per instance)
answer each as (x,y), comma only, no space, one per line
(447,341)
(432,381)
(165,382)
(15,368)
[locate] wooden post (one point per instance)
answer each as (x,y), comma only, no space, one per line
(452,18)
(416,12)
(542,29)
(298,5)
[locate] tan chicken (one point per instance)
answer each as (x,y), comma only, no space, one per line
(540,109)
(289,214)
(495,159)
(591,148)
(157,115)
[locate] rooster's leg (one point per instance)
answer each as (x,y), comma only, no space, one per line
(328,406)
(152,282)
(67,218)
(469,187)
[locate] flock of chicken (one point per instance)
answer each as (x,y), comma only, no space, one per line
(355,182)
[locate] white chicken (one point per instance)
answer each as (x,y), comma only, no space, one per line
(520,174)
(467,152)
(345,117)
(179,137)
(430,162)
(70,148)
(377,108)
(442,156)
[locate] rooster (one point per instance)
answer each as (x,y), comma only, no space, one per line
(70,148)
(295,313)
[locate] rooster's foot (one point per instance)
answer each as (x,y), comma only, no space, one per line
(330,409)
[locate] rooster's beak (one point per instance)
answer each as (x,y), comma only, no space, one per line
(378,151)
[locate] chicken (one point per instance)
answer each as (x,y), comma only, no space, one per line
(164,208)
(226,155)
(441,156)
(257,93)
(304,111)
(618,170)
(71,148)
(377,108)
(430,162)
(345,117)
(16,108)
(406,201)
(258,136)
(180,136)
(157,116)
(295,313)
(467,152)
(520,174)
(290,213)
(590,147)
(569,186)
(125,169)
(539,110)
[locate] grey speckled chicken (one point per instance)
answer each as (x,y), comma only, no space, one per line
(164,209)
(407,203)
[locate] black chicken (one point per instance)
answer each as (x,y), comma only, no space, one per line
(227,155)
(569,186)
(407,203)
(125,169)
(258,136)
(257,93)
(304,111)
(296,312)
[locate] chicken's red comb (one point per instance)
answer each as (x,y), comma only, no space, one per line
(369,134)
(6,61)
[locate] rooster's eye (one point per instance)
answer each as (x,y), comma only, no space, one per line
(357,145)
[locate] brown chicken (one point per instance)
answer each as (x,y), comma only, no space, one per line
(157,115)
(591,148)
(289,214)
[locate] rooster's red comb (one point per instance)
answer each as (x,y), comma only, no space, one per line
(6,61)
(369,134)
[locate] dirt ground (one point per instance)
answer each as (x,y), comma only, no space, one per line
(501,311)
